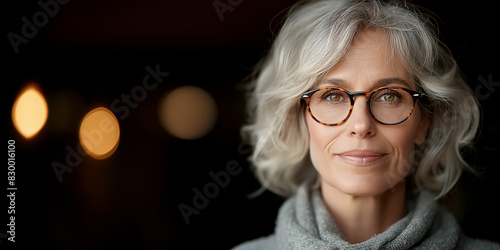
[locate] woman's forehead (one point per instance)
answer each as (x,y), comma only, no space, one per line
(368,63)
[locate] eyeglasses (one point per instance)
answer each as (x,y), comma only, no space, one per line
(387,105)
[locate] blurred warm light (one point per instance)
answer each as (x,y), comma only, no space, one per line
(29,112)
(99,133)
(187,112)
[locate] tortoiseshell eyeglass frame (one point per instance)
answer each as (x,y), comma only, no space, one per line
(307,98)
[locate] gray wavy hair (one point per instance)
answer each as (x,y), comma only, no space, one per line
(313,39)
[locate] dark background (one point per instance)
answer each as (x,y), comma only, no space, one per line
(93,51)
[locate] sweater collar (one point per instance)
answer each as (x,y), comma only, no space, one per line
(304,222)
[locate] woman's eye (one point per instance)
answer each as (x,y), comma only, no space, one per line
(388,97)
(334,98)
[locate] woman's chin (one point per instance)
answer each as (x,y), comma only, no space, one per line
(361,187)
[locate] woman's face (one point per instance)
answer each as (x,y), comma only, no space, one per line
(361,156)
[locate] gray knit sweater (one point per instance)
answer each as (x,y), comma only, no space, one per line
(304,223)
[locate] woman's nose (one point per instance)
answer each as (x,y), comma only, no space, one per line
(360,122)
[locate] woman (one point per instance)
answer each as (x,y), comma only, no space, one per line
(359,115)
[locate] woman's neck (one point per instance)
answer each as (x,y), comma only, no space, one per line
(361,217)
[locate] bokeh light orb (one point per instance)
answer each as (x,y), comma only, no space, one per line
(29,112)
(99,133)
(187,112)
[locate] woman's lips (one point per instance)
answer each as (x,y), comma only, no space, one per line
(361,158)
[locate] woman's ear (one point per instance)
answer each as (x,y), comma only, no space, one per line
(423,126)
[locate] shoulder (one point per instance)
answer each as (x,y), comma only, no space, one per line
(470,243)
(464,241)
(262,243)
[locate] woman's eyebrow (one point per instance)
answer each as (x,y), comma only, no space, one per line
(337,82)
(379,83)
(387,81)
